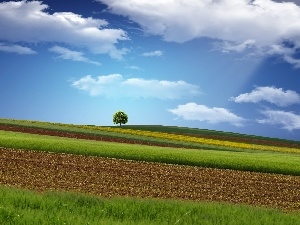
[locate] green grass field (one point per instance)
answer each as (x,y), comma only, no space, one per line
(22,207)
(26,207)
(158,128)
(88,130)
(98,131)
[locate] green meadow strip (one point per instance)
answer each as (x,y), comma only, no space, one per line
(23,207)
(270,162)
(154,128)
(114,133)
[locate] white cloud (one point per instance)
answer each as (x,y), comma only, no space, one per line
(27,21)
(229,47)
(154,53)
(193,111)
(134,67)
(285,53)
(16,49)
(115,85)
(71,55)
(237,24)
(287,120)
(291,60)
(273,95)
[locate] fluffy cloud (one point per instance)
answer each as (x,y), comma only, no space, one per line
(237,24)
(193,111)
(154,53)
(273,95)
(28,22)
(68,54)
(16,49)
(115,85)
(287,120)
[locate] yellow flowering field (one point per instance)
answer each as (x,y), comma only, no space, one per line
(206,141)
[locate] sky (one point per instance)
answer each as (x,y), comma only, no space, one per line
(228,65)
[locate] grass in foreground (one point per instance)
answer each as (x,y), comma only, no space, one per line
(27,207)
(270,162)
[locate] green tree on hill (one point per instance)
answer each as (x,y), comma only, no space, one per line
(120,118)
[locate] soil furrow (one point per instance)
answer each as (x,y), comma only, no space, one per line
(115,177)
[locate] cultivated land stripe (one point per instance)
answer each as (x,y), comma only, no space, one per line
(112,177)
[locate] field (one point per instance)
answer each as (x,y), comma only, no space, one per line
(146,163)
(58,208)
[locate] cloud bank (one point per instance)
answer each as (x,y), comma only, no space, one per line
(115,86)
(238,25)
(273,95)
(28,22)
(193,111)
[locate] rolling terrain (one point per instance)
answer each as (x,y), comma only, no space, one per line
(151,162)
(117,177)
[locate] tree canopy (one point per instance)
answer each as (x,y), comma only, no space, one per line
(120,117)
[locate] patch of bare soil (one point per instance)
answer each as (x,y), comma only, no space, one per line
(114,177)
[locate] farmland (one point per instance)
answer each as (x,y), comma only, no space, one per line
(152,162)
(114,177)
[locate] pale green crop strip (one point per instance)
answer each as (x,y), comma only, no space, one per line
(272,162)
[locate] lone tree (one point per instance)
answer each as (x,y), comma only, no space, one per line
(120,118)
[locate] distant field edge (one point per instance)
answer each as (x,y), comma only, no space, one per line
(160,128)
(171,136)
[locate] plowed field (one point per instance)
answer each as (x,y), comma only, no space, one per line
(111,177)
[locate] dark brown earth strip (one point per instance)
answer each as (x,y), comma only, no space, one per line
(112,177)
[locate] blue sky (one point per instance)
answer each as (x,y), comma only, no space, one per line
(230,65)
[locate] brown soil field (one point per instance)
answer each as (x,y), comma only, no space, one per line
(113,177)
